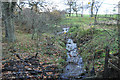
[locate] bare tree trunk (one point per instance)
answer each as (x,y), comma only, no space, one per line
(97,8)
(7,11)
(33,28)
(92,8)
(76,14)
(70,11)
(95,22)
(82,10)
(76,9)
(33,33)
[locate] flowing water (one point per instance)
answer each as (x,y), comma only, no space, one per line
(74,67)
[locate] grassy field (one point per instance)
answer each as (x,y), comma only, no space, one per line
(77,20)
(86,19)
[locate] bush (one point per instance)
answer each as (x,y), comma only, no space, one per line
(30,21)
(55,16)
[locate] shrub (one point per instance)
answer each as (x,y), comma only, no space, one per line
(55,16)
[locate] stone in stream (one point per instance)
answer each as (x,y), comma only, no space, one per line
(70,47)
(70,41)
(65,30)
(72,53)
(76,60)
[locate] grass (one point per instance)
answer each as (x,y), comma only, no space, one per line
(77,20)
(109,15)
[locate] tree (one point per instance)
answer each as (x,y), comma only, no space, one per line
(75,8)
(82,7)
(38,18)
(97,6)
(34,7)
(70,3)
(82,10)
(93,2)
(7,15)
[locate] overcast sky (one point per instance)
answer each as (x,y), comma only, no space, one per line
(107,6)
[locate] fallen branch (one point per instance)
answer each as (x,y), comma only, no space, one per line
(113,66)
(17,55)
(115,57)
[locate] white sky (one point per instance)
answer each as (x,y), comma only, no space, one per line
(107,5)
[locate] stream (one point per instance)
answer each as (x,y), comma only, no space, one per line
(74,67)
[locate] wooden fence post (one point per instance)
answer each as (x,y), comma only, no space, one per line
(106,62)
